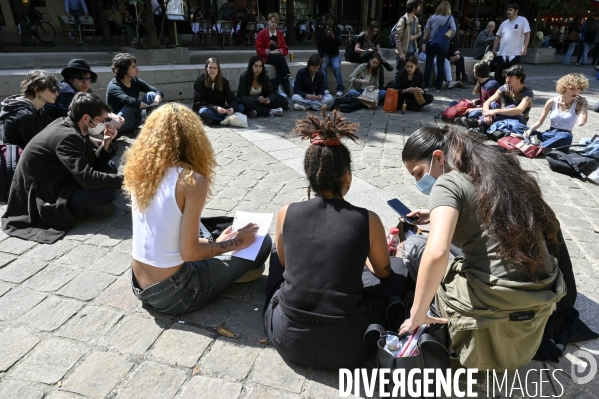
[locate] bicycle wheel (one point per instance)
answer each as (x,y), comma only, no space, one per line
(47,17)
(45,32)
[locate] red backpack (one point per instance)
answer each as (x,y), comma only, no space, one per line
(455,111)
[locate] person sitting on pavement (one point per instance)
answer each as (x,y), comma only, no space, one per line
(518,98)
(366,75)
(23,115)
(367,43)
(330,274)
(328,40)
(407,34)
(255,92)
(61,177)
(565,111)
(213,99)
(78,76)
(311,87)
(508,235)
(272,49)
(122,93)
(486,87)
(484,39)
(173,271)
(409,82)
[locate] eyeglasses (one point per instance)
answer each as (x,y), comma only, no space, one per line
(86,80)
(100,122)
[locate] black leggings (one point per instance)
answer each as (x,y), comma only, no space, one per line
(263,109)
(500,65)
(280,64)
(460,70)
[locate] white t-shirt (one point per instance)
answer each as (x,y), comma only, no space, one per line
(512,36)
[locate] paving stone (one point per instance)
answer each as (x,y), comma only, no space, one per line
(82,256)
(211,315)
(14,344)
(6,258)
(97,375)
(126,246)
(261,392)
(224,359)
(16,246)
(20,270)
(200,386)
(10,388)
(181,345)
(48,252)
(52,277)
(18,302)
(64,395)
(49,362)
(133,335)
(125,222)
(84,230)
(235,291)
(51,313)
(87,285)
(153,381)
(120,296)
(284,378)
(322,384)
(109,237)
(91,323)
(247,320)
(4,288)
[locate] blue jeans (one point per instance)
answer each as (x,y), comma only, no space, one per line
(554,138)
(197,283)
(585,50)
(335,63)
(569,52)
(432,51)
(207,113)
(133,116)
(500,117)
(477,113)
(356,93)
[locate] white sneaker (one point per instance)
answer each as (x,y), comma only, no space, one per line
(276,112)
(594,176)
(281,91)
(299,107)
(444,85)
(453,84)
(339,94)
(316,106)
(327,92)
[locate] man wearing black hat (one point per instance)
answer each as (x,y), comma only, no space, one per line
(78,77)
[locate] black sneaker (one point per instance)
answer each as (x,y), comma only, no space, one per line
(207,121)
(387,66)
(470,123)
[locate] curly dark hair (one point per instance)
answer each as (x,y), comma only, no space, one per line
(515,70)
(511,210)
(121,63)
(38,81)
(325,165)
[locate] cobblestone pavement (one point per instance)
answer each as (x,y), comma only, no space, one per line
(71,328)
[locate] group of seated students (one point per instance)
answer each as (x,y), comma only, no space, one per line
(323,288)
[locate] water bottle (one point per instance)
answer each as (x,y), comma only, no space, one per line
(393,240)
(392,345)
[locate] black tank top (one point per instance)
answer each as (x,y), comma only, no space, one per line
(326,243)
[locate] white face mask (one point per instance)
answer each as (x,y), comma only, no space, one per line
(98,129)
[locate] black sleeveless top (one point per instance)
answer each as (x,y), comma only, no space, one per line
(326,243)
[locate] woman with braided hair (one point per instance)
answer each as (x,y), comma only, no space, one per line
(320,296)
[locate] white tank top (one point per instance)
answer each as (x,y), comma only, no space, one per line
(564,120)
(157,231)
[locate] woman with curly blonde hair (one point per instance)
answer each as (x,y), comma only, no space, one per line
(176,265)
(565,111)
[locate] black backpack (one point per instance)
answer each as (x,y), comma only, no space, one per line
(350,50)
(573,164)
(348,104)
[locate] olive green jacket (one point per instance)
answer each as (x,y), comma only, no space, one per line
(359,74)
(483,311)
(402,33)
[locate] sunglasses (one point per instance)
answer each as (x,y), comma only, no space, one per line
(86,80)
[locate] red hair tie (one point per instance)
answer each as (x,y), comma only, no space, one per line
(318,140)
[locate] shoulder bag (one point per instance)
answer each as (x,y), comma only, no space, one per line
(440,37)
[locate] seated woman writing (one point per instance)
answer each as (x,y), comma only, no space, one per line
(176,268)
(502,291)
(565,111)
(213,99)
(320,296)
(366,75)
(410,83)
(256,94)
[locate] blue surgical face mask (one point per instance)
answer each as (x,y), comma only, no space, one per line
(426,182)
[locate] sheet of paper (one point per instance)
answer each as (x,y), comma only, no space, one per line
(263,220)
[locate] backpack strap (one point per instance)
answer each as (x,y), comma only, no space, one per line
(571,163)
(373,333)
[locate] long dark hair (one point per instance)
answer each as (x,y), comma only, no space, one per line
(218,81)
(325,165)
(374,71)
(250,70)
(368,31)
(508,201)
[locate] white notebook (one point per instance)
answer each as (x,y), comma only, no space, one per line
(263,220)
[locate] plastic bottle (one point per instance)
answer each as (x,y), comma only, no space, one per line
(393,240)
(392,345)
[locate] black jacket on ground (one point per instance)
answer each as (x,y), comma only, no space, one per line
(60,108)
(212,97)
(118,95)
(55,163)
(327,45)
(21,120)
(305,85)
(245,85)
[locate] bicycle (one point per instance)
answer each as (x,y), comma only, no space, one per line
(40,29)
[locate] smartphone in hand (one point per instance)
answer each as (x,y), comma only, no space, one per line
(402,210)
